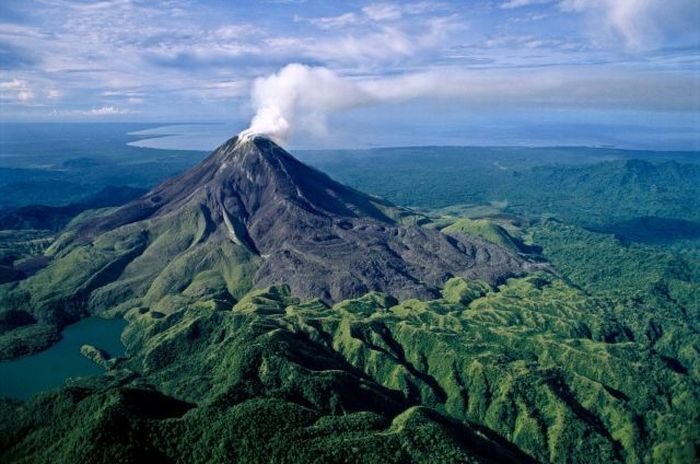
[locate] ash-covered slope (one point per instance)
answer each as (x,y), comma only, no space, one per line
(251,215)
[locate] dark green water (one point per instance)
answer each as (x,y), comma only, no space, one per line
(27,376)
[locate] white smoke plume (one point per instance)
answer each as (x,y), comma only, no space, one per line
(300,97)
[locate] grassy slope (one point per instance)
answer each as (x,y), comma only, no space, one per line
(485,229)
(163,264)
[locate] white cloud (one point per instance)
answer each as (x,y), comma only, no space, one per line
(17,90)
(640,23)
(511,4)
(217,91)
(382,11)
(372,14)
(106,111)
(332,22)
(388,43)
(53,94)
(236,31)
(10,30)
(125,53)
(121,93)
(395,11)
(414,8)
(382,43)
(528,42)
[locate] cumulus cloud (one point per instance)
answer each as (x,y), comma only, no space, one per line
(301,98)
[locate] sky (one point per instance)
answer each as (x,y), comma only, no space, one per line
(607,72)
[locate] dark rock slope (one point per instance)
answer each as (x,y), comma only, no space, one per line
(320,237)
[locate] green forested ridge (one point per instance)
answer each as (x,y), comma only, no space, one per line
(582,186)
(56,218)
(602,263)
(535,361)
(598,365)
(655,291)
(485,229)
(162,267)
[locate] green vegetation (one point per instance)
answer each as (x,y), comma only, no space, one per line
(591,187)
(655,291)
(485,229)
(602,263)
(96,355)
(163,265)
(20,252)
(534,363)
(595,361)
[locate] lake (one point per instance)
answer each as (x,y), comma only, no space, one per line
(49,369)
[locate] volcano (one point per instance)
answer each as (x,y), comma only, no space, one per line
(251,215)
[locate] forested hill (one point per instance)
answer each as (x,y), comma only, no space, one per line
(592,191)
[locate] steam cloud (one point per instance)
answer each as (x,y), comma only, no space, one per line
(300,97)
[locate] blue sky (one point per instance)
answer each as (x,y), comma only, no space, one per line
(452,67)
